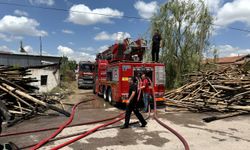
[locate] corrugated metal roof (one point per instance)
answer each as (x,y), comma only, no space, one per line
(23,60)
(13,54)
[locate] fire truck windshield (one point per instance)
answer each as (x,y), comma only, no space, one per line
(86,67)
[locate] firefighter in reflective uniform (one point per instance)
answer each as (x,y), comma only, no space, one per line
(132,104)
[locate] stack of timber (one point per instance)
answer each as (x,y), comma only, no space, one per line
(225,90)
(18,100)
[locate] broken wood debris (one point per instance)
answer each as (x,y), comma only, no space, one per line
(18,98)
(224,90)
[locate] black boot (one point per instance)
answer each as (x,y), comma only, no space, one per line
(144,124)
(124,127)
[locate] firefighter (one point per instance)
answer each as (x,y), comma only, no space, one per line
(156,40)
(145,91)
(132,104)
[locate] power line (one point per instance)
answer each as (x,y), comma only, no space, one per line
(67,10)
(107,15)
(232,28)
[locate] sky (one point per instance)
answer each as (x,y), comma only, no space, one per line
(75,28)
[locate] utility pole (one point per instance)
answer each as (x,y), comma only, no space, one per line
(40,38)
(22,50)
(40,46)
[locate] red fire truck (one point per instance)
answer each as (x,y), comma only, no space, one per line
(120,61)
(85,74)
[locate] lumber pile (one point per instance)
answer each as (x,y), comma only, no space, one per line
(18,100)
(225,90)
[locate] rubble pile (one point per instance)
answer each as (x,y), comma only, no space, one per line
(18,100)
(225,90)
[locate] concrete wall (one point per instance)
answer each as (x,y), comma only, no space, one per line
(53,78)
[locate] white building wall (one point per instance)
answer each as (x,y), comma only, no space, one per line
(53,79)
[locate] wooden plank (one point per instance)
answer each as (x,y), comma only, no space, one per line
(223,116)
(31,98)
(15,96)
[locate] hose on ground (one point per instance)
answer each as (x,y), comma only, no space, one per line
(181,138)
(96,128)
(42,142)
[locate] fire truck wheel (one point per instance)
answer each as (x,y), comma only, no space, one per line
(110,100)
(105,97)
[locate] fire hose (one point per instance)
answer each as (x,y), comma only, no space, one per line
(63,137)
(54,128)
(112,122)
(63,126)
(181,138)
(71,135)
(86,133)
(96,128)
(42,142)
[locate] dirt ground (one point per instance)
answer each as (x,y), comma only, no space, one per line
(226,134)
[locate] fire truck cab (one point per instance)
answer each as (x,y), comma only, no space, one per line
(113,69)
(85,74)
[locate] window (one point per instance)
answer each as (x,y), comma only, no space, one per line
(87,67)
(160,75)
(44,79)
